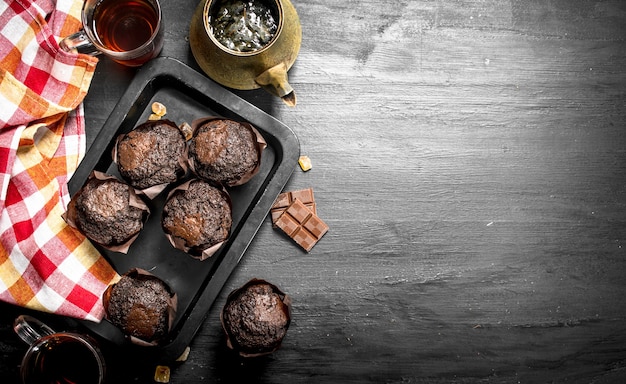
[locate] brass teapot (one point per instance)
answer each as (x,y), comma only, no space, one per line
(245,66)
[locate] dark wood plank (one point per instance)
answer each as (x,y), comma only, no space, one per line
(469,158)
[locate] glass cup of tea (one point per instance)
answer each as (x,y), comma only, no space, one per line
(58,357)
(128,31)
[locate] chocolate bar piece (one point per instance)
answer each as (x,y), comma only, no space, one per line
(284,199)
(302,225)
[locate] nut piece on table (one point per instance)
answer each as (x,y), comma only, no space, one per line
(185,355)
(186,129)
(162,374)
(159,109)
(305,163)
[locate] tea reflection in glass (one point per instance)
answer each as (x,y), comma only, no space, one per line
(61,359)
(128,31)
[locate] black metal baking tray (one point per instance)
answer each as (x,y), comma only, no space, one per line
(188,95)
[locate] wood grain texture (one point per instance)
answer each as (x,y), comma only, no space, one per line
(469,158)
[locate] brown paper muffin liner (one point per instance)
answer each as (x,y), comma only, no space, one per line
(155,190)
(180,243)
(172,306)
(230,343)
(134,201)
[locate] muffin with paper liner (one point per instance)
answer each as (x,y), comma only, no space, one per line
(108,212)
(151,156)
(197,217)
(142,306)
(256,318)
(225,151)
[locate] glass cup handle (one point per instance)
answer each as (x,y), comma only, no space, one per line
(79,43)
(30,329)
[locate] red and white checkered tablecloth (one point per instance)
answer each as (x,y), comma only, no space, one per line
(44,263)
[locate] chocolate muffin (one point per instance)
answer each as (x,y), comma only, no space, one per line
(197,216)
(151,154)
(141,305)
(225,151)
(255,318)
(107,211)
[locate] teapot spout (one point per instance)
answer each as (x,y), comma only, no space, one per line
(275,81)
(290,99)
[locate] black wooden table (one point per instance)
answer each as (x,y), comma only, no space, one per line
(469,158)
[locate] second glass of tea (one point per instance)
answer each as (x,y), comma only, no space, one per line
(127,31)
